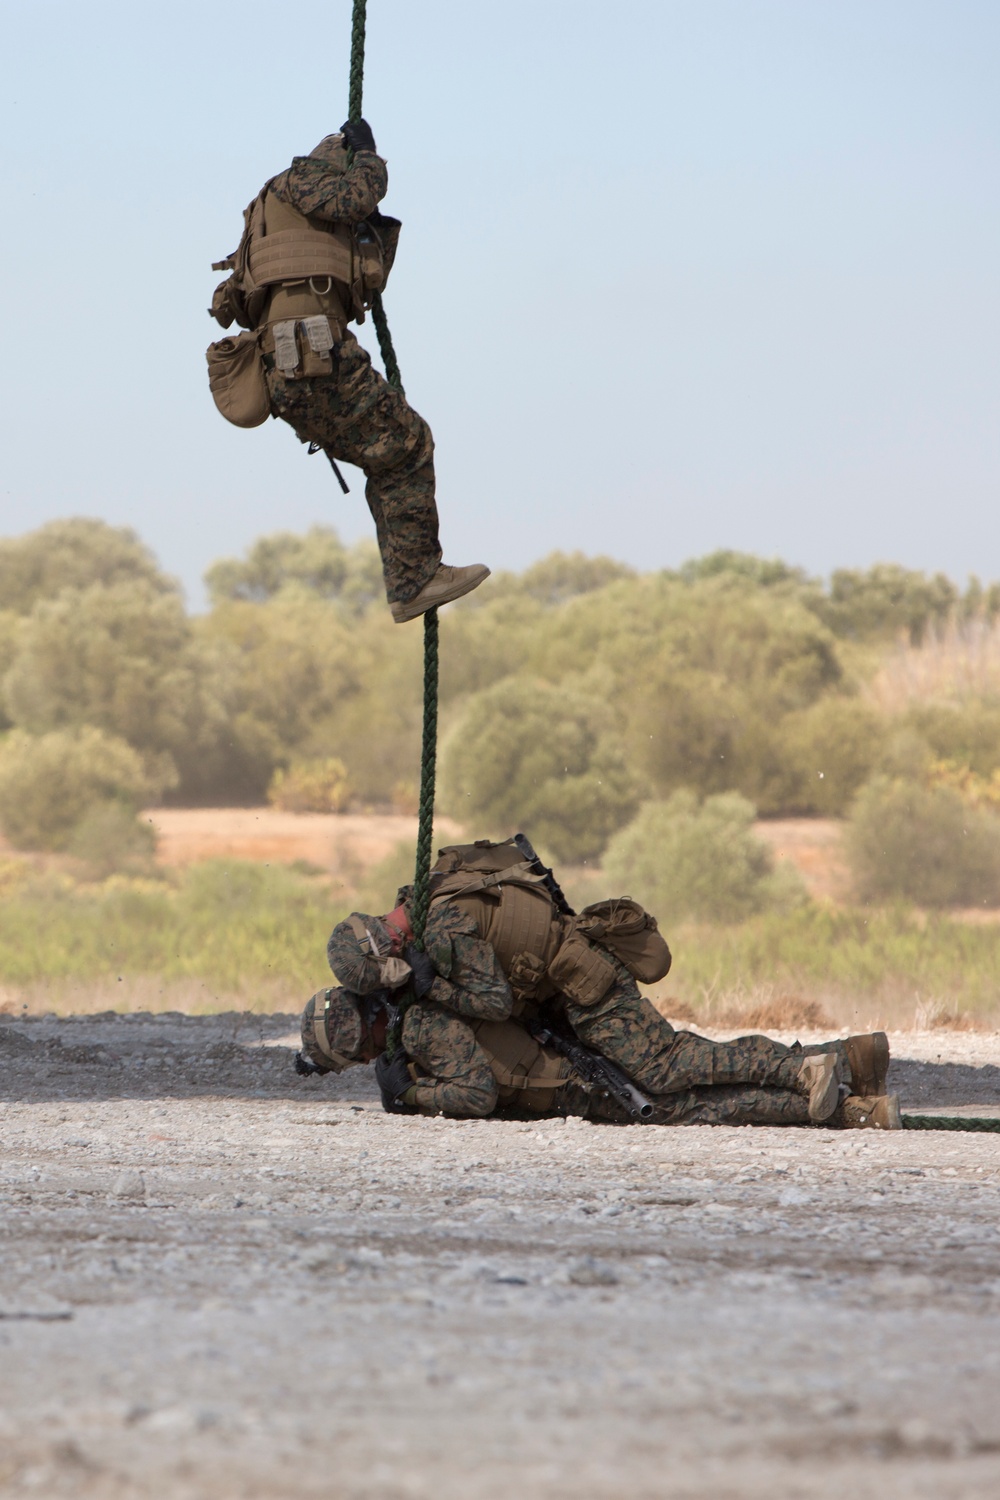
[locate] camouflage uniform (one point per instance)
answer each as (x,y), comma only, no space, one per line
(457,1078)
(750,1080)
(354,413)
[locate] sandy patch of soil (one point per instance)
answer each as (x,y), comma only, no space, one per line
(218,1280)
(814,846)
(353,841)
(342,843)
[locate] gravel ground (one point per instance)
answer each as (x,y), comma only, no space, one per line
(218,1281)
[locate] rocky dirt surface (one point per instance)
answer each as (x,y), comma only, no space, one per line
(217,1280)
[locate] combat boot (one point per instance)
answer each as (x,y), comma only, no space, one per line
(819,1077)
(881,1113)
(868,1060)
(447,584)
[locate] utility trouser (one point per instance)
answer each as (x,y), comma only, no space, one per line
(734,1081)
(360,418)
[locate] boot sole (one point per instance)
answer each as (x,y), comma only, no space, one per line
(872,1085)
(880,1064)
(823,1105)
(893,1117)
(413,611)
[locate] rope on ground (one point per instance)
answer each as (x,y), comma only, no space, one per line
(950,1122)
(428,754)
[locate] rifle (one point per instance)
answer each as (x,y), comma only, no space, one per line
(318,448)
(597,1071)
(551,883)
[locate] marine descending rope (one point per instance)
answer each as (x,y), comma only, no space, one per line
(428,751)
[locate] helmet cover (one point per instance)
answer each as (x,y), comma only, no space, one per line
(332,1031)
(360,954)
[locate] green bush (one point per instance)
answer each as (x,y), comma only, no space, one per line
(122,658)
(544,759)
(306,683)
(50,782)
(74,554)
(968,733)
(704,675)
(682,859)
(317,562)
(763,573)
(310,786)
(922,844)
(882,601)
(832,747)
(109,839)
(10,624)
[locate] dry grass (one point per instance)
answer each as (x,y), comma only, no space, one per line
(943,1015)
(759,1009)
(957,662)
(835,1010)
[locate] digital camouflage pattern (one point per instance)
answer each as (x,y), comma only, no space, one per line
(692,1080)
(626,1028)
(459,1079)
(343,1027)
(732,1105)
(353,412)
(470,981)
(319,186)
(359,417)
(750,1080)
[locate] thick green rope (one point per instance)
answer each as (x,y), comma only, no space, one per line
(950,1122)
(388,353)
(356,84)
(428,754)
(428,764)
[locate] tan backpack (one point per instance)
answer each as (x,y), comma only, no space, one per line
(574,960)
(625,929)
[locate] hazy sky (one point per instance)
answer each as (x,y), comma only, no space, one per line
(673,276)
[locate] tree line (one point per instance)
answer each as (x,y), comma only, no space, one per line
(572,694)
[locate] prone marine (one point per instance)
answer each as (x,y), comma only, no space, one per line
(508,975)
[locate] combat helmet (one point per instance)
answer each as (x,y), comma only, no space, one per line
(332,1032)
(360,952)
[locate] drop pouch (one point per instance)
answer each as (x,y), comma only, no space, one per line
(581,972)
(236,380)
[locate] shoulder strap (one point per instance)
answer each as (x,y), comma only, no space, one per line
(467,882)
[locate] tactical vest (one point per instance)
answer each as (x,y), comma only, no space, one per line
(512,910)
(539,951)
(299,281)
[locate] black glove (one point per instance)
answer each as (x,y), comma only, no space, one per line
(424,972)
(393,1079)
(305,1067)
(358,135)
